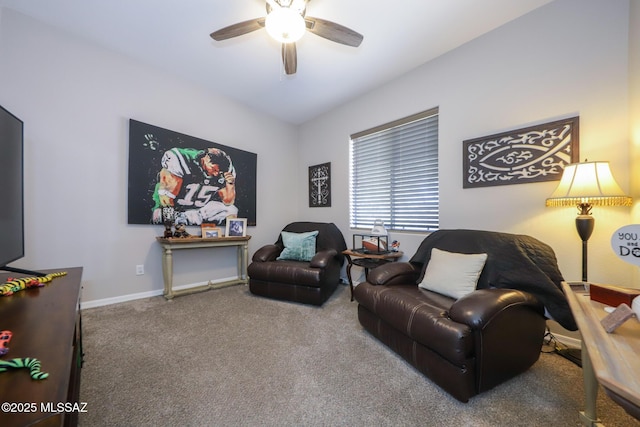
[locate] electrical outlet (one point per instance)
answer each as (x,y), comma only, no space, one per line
(139,270)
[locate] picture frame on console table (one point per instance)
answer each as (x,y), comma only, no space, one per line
(211,231)
(236,227)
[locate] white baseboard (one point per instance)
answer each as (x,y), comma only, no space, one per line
(193,285)
(119,299)
(141,295)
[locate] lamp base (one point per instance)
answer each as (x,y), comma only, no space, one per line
(584,225)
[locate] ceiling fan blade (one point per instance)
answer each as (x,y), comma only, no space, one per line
(289,58)
(334,32)
(238,29)
(272,4)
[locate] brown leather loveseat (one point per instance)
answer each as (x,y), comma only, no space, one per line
(471,343)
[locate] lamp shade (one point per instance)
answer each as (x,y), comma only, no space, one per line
(588,183)
(286,25)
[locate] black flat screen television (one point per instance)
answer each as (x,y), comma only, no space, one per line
(12,185)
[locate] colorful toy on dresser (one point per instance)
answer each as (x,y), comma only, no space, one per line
(27,362)
(5,337)
(14,285)
(31,363)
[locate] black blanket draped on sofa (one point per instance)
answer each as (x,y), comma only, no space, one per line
(519,262)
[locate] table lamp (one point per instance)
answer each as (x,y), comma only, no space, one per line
(586,185)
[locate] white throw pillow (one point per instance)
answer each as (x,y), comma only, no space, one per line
(452,274)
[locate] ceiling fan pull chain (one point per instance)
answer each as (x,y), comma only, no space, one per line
(281,70)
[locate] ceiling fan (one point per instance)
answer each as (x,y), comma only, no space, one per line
(286,21)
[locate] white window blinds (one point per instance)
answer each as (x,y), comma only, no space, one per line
(394,174)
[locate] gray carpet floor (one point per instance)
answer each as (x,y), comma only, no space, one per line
(228,358)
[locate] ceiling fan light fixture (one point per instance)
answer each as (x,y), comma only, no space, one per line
(285,25)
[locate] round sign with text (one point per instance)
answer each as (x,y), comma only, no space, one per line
(625,242)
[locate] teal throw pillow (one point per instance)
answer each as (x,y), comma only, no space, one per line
(298,246)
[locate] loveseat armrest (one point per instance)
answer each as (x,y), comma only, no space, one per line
(478,308)
(394,273)
(322,258)
(267,253)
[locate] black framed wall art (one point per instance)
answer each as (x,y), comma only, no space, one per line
(531,154)
(204,181)
(320,185)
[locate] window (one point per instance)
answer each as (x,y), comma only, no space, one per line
(394,174)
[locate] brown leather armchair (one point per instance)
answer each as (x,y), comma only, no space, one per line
(309,282)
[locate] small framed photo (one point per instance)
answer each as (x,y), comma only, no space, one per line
(210,231)
(236,227)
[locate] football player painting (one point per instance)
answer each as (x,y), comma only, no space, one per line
(199,184)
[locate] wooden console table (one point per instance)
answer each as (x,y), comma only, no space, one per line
(609,359)
(172,243)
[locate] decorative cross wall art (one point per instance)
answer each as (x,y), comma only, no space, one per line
(532,154)
(320,185)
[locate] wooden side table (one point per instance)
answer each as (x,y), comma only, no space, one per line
(367,261)
(170,244)
(609,359)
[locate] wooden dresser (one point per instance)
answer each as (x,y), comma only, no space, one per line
(46,325)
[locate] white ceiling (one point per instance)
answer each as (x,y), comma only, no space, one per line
(174,35)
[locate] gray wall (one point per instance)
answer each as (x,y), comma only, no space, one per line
(567,58)
(76,100)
